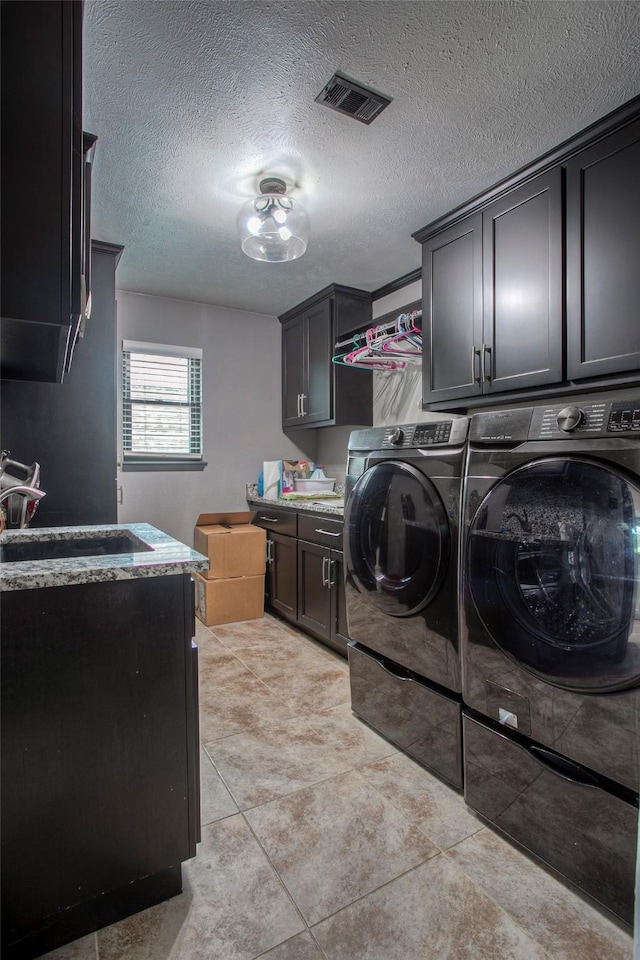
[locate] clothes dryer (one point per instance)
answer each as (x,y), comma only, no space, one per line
(550,635)
(401,535)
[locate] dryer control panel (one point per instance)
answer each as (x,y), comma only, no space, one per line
(420,435)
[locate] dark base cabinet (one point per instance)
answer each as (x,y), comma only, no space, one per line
(321,606)
(99,755)
(305,574)
(424,722)
(576,822)
(281,585)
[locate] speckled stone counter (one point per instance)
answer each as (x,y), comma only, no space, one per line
(334,507)
(159,555)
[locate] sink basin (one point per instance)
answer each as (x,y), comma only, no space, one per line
(99,546)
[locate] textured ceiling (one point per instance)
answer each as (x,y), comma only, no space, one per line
(195,101)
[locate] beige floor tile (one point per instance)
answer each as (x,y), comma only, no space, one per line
(437,809)
(309,688)
(84,949)
(216,802)
(550,912)
(233,907)
(273,635)
(430,913)
(337,841)
(279,758)
(244,704)
(302,947)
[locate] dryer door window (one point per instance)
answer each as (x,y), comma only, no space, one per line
(397,540)
(553,568)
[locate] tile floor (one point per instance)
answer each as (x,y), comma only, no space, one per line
(321,842)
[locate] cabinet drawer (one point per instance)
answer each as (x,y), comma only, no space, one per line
(319,529)
(278,520)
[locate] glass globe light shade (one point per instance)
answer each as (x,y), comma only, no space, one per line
(273,227)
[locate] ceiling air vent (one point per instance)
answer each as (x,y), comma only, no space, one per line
(351,98)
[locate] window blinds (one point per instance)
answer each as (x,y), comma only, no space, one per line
(161,402)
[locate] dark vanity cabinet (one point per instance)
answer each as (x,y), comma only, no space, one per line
(100,780)
(315,391)
(305,578)
(492,297)
(45,188)
(603,244)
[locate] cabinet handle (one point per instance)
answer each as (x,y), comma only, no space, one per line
(486,350)
(327,533)
(303,397)
(474,353)
(325,575)
(269,551)
(298,414)
(270,519)
(332,566)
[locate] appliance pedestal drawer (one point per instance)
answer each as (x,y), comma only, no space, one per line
(422,720)
(572,819)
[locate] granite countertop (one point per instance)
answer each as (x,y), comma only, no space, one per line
(159,555)
(333,506)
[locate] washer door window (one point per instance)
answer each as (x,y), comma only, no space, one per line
(553,568)
(396,538)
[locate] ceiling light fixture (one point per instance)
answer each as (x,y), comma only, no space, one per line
(273,226)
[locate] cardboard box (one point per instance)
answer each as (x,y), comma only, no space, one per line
(229,601)
(234,546)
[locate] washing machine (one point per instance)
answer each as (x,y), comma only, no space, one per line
(550,635)
(401,545)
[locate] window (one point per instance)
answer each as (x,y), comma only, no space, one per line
(161,402)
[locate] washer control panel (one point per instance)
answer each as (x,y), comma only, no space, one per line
(586,420)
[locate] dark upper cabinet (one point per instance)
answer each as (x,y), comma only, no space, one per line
(44,180)
(522,287)
(452,311)
(492,297)
(603,244)
(315,391)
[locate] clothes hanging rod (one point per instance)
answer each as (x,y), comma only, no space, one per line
(390,327)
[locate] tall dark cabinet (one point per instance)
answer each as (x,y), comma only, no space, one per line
(70,428)
(45,180)
(603,256)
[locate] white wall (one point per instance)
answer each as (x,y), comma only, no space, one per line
(242,386)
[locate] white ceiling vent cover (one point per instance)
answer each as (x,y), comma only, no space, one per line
(353,99)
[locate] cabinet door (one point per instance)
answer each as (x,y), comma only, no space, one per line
(339,634)
(282,575)
(294,370)
(603,240)
(452,312)
(314,594)
(522,315)
(316,402)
